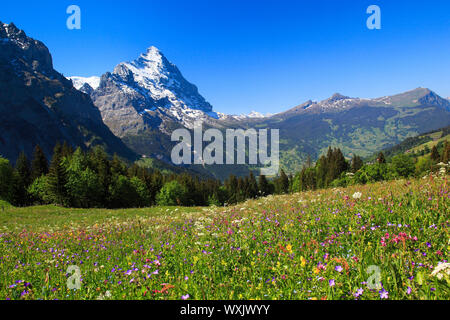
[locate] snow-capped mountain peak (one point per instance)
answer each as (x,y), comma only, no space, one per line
(148,92)
(79,82)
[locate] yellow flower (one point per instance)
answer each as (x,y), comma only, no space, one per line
(302,261)
(289,248)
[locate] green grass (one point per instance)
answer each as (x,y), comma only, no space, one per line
(312,245)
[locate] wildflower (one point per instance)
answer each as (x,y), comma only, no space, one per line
(357,195)
(289,248)
(338,268)
(185,297)
(358,293)
(332,283)
(384,294)
(441,270)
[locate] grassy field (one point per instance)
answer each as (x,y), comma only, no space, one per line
(328,244)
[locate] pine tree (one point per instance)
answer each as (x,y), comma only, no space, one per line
(57,178)
(23,175)
(435,156)
(283,183)
(357,163)
(67,149)
(118,167)
(252,186)
(101,165)
(263,186)
(23,169)
(446,153)
(381,159)
(231,185)
(39,164)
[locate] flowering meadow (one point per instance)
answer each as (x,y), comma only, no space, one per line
(387,240)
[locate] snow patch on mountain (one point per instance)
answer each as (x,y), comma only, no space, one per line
(252,115)
(79,82)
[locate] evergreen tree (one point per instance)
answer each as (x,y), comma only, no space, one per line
(100,164)
(252,186)
(435,156)
(231,185)
(67,150)
(381,159)
(39,164)
(23,180)
(6,180)
(118,167)
(282,183)
(357,163)
(57,178)
(263,186)
(446,153)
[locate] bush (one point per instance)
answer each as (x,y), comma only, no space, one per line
(172,194)
(84,188)
(423,166)
(38,191)
(371,173)
(142,198)
(127,193)
(402,166)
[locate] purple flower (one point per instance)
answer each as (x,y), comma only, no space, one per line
(185,297)
(409,290)
(332,283)
(338,268)
(358,293)
(384,294)
(128,272)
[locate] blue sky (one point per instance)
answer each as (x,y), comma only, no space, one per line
(259,55)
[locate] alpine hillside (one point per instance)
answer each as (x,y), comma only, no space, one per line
(38,105)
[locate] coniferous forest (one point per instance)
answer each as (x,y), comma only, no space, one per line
(92,179)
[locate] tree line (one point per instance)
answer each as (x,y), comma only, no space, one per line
(91,179)
(333,170)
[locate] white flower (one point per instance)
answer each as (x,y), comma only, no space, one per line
(441,270)
(357,195)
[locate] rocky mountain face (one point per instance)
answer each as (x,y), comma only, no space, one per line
(40,106)
(149,93)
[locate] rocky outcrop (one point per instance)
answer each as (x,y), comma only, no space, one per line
(38,105)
